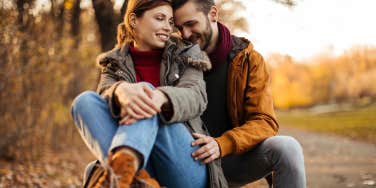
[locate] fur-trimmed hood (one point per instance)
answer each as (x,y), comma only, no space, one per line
(180,51)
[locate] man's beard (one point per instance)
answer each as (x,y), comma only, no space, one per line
(204,36)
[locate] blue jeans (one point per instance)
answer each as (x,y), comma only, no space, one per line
(166,149)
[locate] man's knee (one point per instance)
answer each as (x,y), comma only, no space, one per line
(285,147)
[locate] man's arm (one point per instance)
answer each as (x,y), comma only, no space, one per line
(259,117)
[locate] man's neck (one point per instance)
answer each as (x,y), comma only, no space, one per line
(214,39)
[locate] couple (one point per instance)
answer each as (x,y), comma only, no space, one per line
(145,127)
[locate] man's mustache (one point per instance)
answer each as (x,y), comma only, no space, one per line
(194,37)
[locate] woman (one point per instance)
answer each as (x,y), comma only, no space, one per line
(149,82)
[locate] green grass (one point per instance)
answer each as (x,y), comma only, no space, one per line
(358,123)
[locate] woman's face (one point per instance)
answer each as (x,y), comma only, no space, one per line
(153,28)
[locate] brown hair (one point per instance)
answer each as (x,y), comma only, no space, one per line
(202,5)
(125,32)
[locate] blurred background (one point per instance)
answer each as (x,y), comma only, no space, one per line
(322,56)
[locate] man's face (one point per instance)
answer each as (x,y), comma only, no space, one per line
(193,24)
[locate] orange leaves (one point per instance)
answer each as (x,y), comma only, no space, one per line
(348,77)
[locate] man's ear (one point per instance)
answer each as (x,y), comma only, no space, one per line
(213,14)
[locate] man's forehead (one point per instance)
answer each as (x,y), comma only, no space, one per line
(187,12)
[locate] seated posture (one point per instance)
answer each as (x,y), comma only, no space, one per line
(240,115)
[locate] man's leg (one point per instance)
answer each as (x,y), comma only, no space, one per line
(171,159)
(281,154)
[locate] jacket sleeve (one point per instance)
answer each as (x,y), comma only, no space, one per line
(187,98)
(106,88)
(258,112)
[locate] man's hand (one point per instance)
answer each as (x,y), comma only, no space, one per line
(209,150)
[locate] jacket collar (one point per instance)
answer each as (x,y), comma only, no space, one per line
(239,44)
(175,47)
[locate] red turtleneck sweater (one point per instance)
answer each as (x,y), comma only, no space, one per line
(147,65)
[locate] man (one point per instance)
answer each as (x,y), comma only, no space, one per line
(240,114)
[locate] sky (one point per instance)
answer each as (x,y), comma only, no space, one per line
(312,27)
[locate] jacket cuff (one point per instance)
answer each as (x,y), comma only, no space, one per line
(168,113)
(113,103)
(226,144)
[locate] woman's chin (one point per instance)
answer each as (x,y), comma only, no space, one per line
(160,45)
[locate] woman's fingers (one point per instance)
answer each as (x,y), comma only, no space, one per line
(127,120)
(148,101)
(150,94)
(148,91)
(133,114)
(140,109)
(145,108)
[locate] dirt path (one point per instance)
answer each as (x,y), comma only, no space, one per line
(334,161)
(331,162)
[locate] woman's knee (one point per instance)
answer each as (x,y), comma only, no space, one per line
(85,100)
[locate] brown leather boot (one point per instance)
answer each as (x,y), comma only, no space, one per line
(143,180)
(124,167)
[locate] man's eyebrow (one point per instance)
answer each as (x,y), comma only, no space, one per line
(189,22)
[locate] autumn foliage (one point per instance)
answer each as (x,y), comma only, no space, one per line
(349,77)
(42,70)
(48,57)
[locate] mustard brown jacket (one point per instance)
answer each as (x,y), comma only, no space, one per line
(249,100)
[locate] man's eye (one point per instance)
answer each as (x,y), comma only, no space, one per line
(190,24)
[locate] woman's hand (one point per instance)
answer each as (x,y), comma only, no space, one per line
(136,102)
(158,97)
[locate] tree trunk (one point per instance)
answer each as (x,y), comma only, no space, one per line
(105,17)
(75,22)
(60,21)
(123,9)
(23,22)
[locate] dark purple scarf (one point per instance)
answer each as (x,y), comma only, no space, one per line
(223,48)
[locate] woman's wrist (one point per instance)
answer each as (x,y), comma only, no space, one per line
(166,107)
(117,90)
(162,96)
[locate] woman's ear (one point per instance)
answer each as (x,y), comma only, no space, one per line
(132,20)
(213,14)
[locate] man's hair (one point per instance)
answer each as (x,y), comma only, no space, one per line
(202,5)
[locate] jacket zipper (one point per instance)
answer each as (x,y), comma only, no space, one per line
(168,62)
(124,72)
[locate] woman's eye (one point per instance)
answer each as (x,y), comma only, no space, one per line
(159,18)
